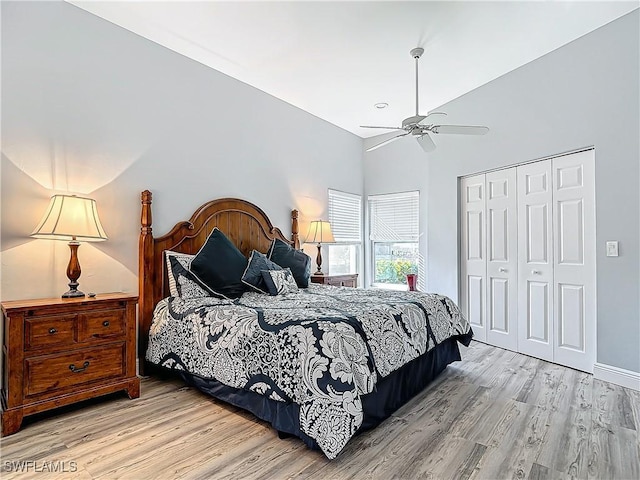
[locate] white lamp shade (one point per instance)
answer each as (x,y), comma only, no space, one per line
(320,232)
(69,217)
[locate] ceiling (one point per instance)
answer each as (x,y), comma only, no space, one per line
(337,59)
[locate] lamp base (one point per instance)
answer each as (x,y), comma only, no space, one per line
(73,294)
(319,261)
(73,271)
(73,291)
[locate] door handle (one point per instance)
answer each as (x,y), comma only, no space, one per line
(536,272)
(502,269)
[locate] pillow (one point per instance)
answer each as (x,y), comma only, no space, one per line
(252,275)
(279,282)
(286,256)
(182,282)
(177,263)
(220,265)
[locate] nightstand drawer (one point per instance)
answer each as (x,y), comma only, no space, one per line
(49,331)
(56,372)
(101,324)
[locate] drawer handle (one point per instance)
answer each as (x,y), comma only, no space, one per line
(52,331)
(73,368)
(105,323)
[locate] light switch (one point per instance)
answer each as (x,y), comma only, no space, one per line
(612,249)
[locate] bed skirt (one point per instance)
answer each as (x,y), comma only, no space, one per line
(390,393)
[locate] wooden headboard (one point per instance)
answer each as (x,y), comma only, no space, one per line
(245,224)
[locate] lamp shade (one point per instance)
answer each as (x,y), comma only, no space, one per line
(319,232)
(69,217)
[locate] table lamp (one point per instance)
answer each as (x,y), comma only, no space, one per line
(319,232)
(73,218)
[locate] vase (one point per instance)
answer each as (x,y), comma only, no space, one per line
(412,281)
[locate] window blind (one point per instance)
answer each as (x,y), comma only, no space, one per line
(345,216)
(394,217)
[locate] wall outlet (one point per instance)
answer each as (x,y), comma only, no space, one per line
(612,249)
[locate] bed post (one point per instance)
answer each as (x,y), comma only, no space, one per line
(294,229)
(145,278)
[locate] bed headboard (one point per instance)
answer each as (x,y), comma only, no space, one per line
(245,224)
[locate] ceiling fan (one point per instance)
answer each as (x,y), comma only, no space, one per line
(420,126)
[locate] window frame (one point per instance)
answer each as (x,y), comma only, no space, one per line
(353,238)
(412,236)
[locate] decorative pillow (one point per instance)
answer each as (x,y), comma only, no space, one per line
(182,282)
(220,265)
(279,282)
(252,275)
(286,256)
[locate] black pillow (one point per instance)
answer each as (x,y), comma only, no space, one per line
(252,275)
(220,265)
(286,256)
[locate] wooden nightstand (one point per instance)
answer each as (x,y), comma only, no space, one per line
(347,280)
(60,351)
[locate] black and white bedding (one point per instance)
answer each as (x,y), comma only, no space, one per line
(322,348)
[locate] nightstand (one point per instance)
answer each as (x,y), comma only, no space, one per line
(60,351)
(346,280)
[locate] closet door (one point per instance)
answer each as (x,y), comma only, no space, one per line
(502,259)
(472,255)
(535,260)
(574,265)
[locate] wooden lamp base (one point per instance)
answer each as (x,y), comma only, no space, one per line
(73,272)
(319,261)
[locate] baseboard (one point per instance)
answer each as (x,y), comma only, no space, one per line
(619,376)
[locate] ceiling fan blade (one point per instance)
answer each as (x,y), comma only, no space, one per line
(386,141)
(386,128)
(460,129)
(426,142)
(433,117)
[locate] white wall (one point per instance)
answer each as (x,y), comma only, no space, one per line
(583,94)
(91,108)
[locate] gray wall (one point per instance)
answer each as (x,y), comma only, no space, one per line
(91,108)
(583,94)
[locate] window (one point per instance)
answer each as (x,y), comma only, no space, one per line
(345,217)
(394,232)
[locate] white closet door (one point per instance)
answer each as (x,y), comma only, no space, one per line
(502,259)
(574,255)
(473,264)
(535,260)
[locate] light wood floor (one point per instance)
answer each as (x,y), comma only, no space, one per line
(496,414)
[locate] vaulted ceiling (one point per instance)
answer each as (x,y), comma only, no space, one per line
(337,60)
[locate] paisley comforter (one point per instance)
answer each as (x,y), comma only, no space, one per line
(321,347)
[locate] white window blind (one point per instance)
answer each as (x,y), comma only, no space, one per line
(345,216)
(394,217)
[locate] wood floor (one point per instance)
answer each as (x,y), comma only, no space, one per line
(495,415)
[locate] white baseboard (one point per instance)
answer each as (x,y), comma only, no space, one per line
(619,376)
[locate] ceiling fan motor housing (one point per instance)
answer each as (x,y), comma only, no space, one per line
(412,120)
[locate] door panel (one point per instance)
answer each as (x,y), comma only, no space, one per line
(535,264)
(502,264)
(571,327)
(472,253)
(574,268)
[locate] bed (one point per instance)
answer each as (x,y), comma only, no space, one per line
(321,363)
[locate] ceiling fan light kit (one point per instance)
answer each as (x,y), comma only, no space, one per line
(420,126)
